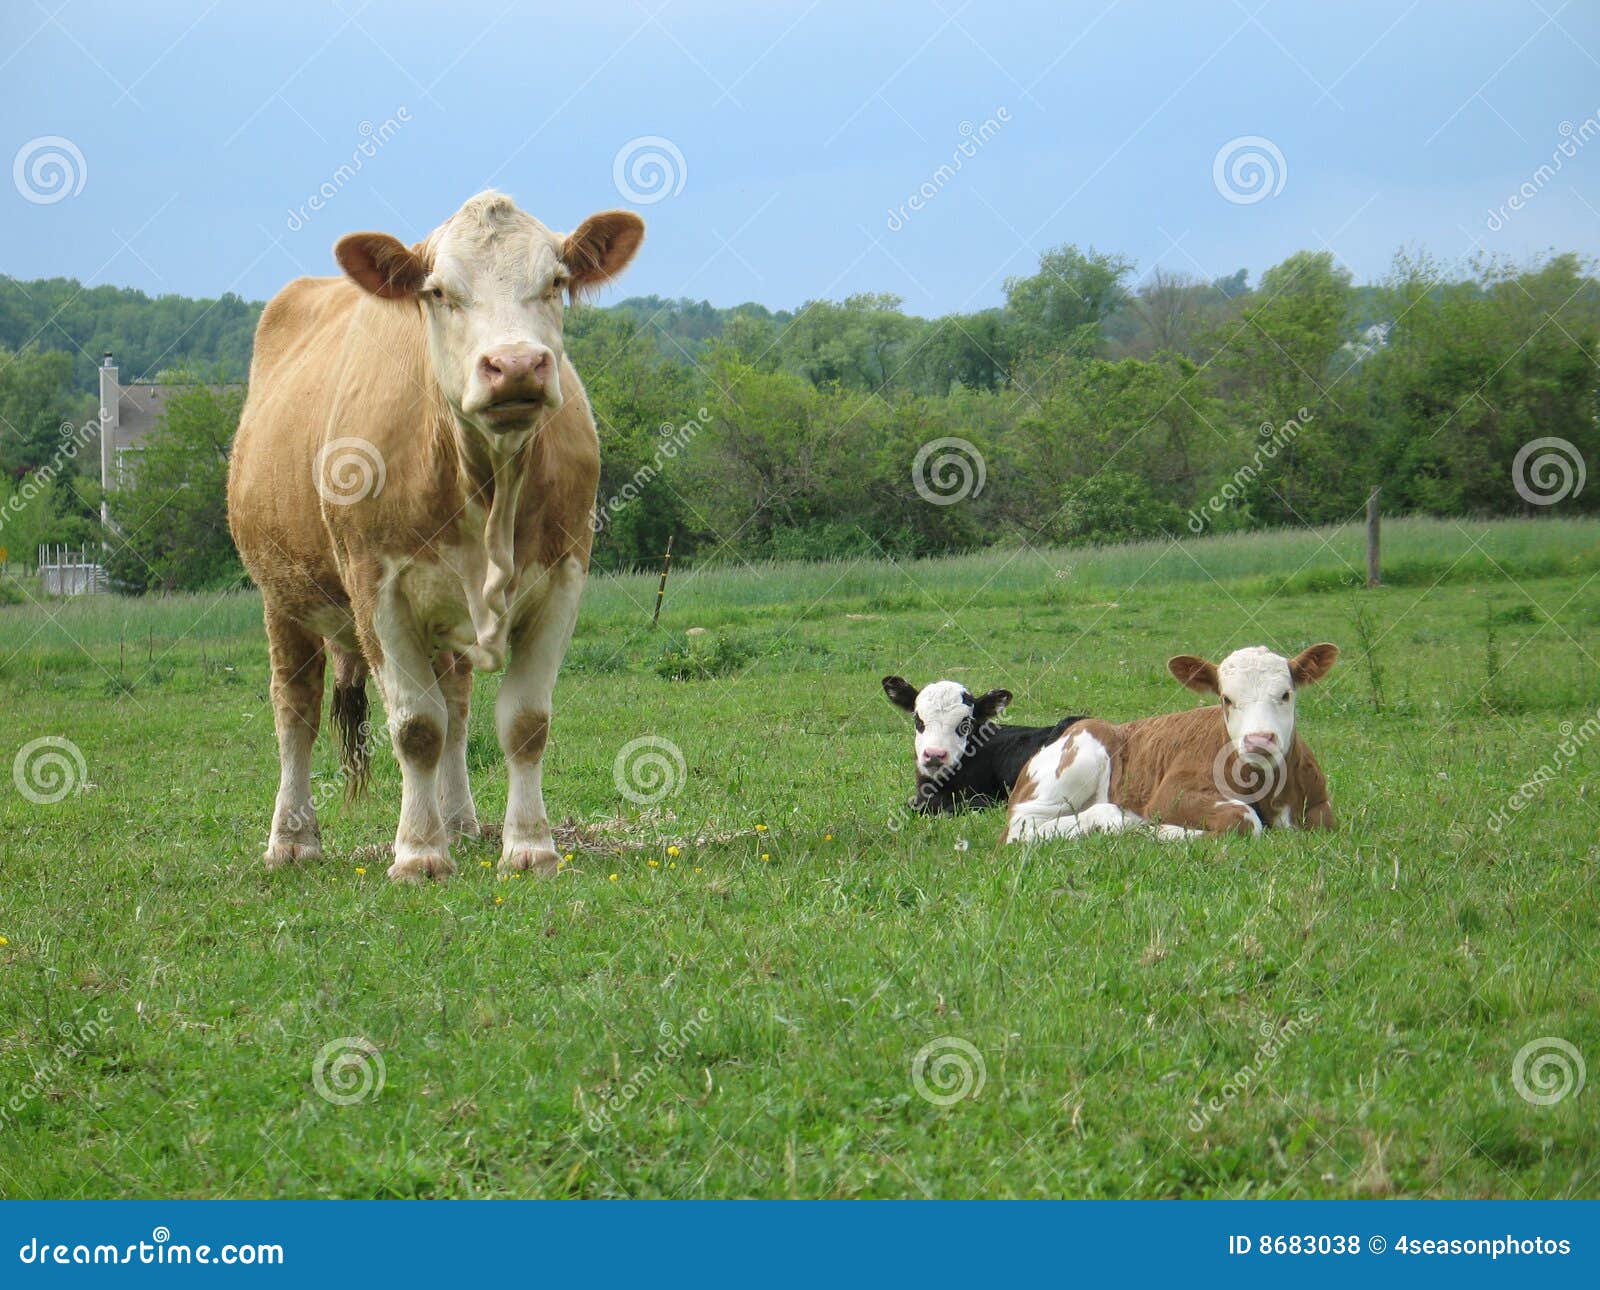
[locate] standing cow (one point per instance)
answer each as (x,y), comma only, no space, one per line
(412,487)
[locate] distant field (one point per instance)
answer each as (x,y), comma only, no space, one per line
(1337,1015)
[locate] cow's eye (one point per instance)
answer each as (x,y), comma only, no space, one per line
(436,293)
(920,726)
(1226,701)
(1285,697)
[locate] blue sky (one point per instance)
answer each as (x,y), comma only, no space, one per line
(800,128)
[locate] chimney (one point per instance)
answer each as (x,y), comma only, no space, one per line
(110,421)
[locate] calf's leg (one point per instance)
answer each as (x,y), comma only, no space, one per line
(522,717)
(1061,780)
(298,665)
(1193,804)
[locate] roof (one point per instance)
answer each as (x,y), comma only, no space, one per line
(142,405)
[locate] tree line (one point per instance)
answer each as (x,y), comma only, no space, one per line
(1088,407)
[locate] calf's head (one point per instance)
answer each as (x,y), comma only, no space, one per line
(491,282)
(948,720)
(1257,688)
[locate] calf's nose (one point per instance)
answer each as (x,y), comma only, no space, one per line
(935,756)
(516,372)
(1260,741)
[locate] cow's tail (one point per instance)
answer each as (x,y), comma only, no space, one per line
(351,719)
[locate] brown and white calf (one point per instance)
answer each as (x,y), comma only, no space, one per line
(1238,767)
(412,487)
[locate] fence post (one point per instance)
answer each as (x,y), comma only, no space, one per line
(1374,566)
(661,587)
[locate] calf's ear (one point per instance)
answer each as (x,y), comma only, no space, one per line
(901,692)
(1313,663)
(381,264)
(991,705)
(601,247)
(1198,674)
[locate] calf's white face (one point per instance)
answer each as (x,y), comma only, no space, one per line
(948,720)
(1257,688)
(491,281)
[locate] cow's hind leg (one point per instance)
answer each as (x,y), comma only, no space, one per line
(298,664)
(1060,781)
(522,718)
(455,792)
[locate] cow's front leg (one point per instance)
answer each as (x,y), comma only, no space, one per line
(522,718)
(418,722)
(455,791)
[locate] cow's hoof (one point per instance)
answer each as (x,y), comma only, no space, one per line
(280,854)
(420,868)
(465,828)
(542,861)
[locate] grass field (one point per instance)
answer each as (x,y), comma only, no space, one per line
(1296,1015)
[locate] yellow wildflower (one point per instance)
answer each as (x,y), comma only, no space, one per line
(612,877)
(672,851)
(360,869)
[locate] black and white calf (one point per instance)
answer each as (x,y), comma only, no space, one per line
(965,759)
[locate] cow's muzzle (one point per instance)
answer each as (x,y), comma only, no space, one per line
(520,381)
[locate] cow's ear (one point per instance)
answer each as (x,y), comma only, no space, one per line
(991,705)
(381,264)
(1198,674)
(901,692)
(600,248)
(1313,663)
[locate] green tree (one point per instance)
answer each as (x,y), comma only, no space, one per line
(169,523)
(1064,306)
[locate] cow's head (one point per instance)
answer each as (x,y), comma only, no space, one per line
(948,720)
(1257,688)
(491,282)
